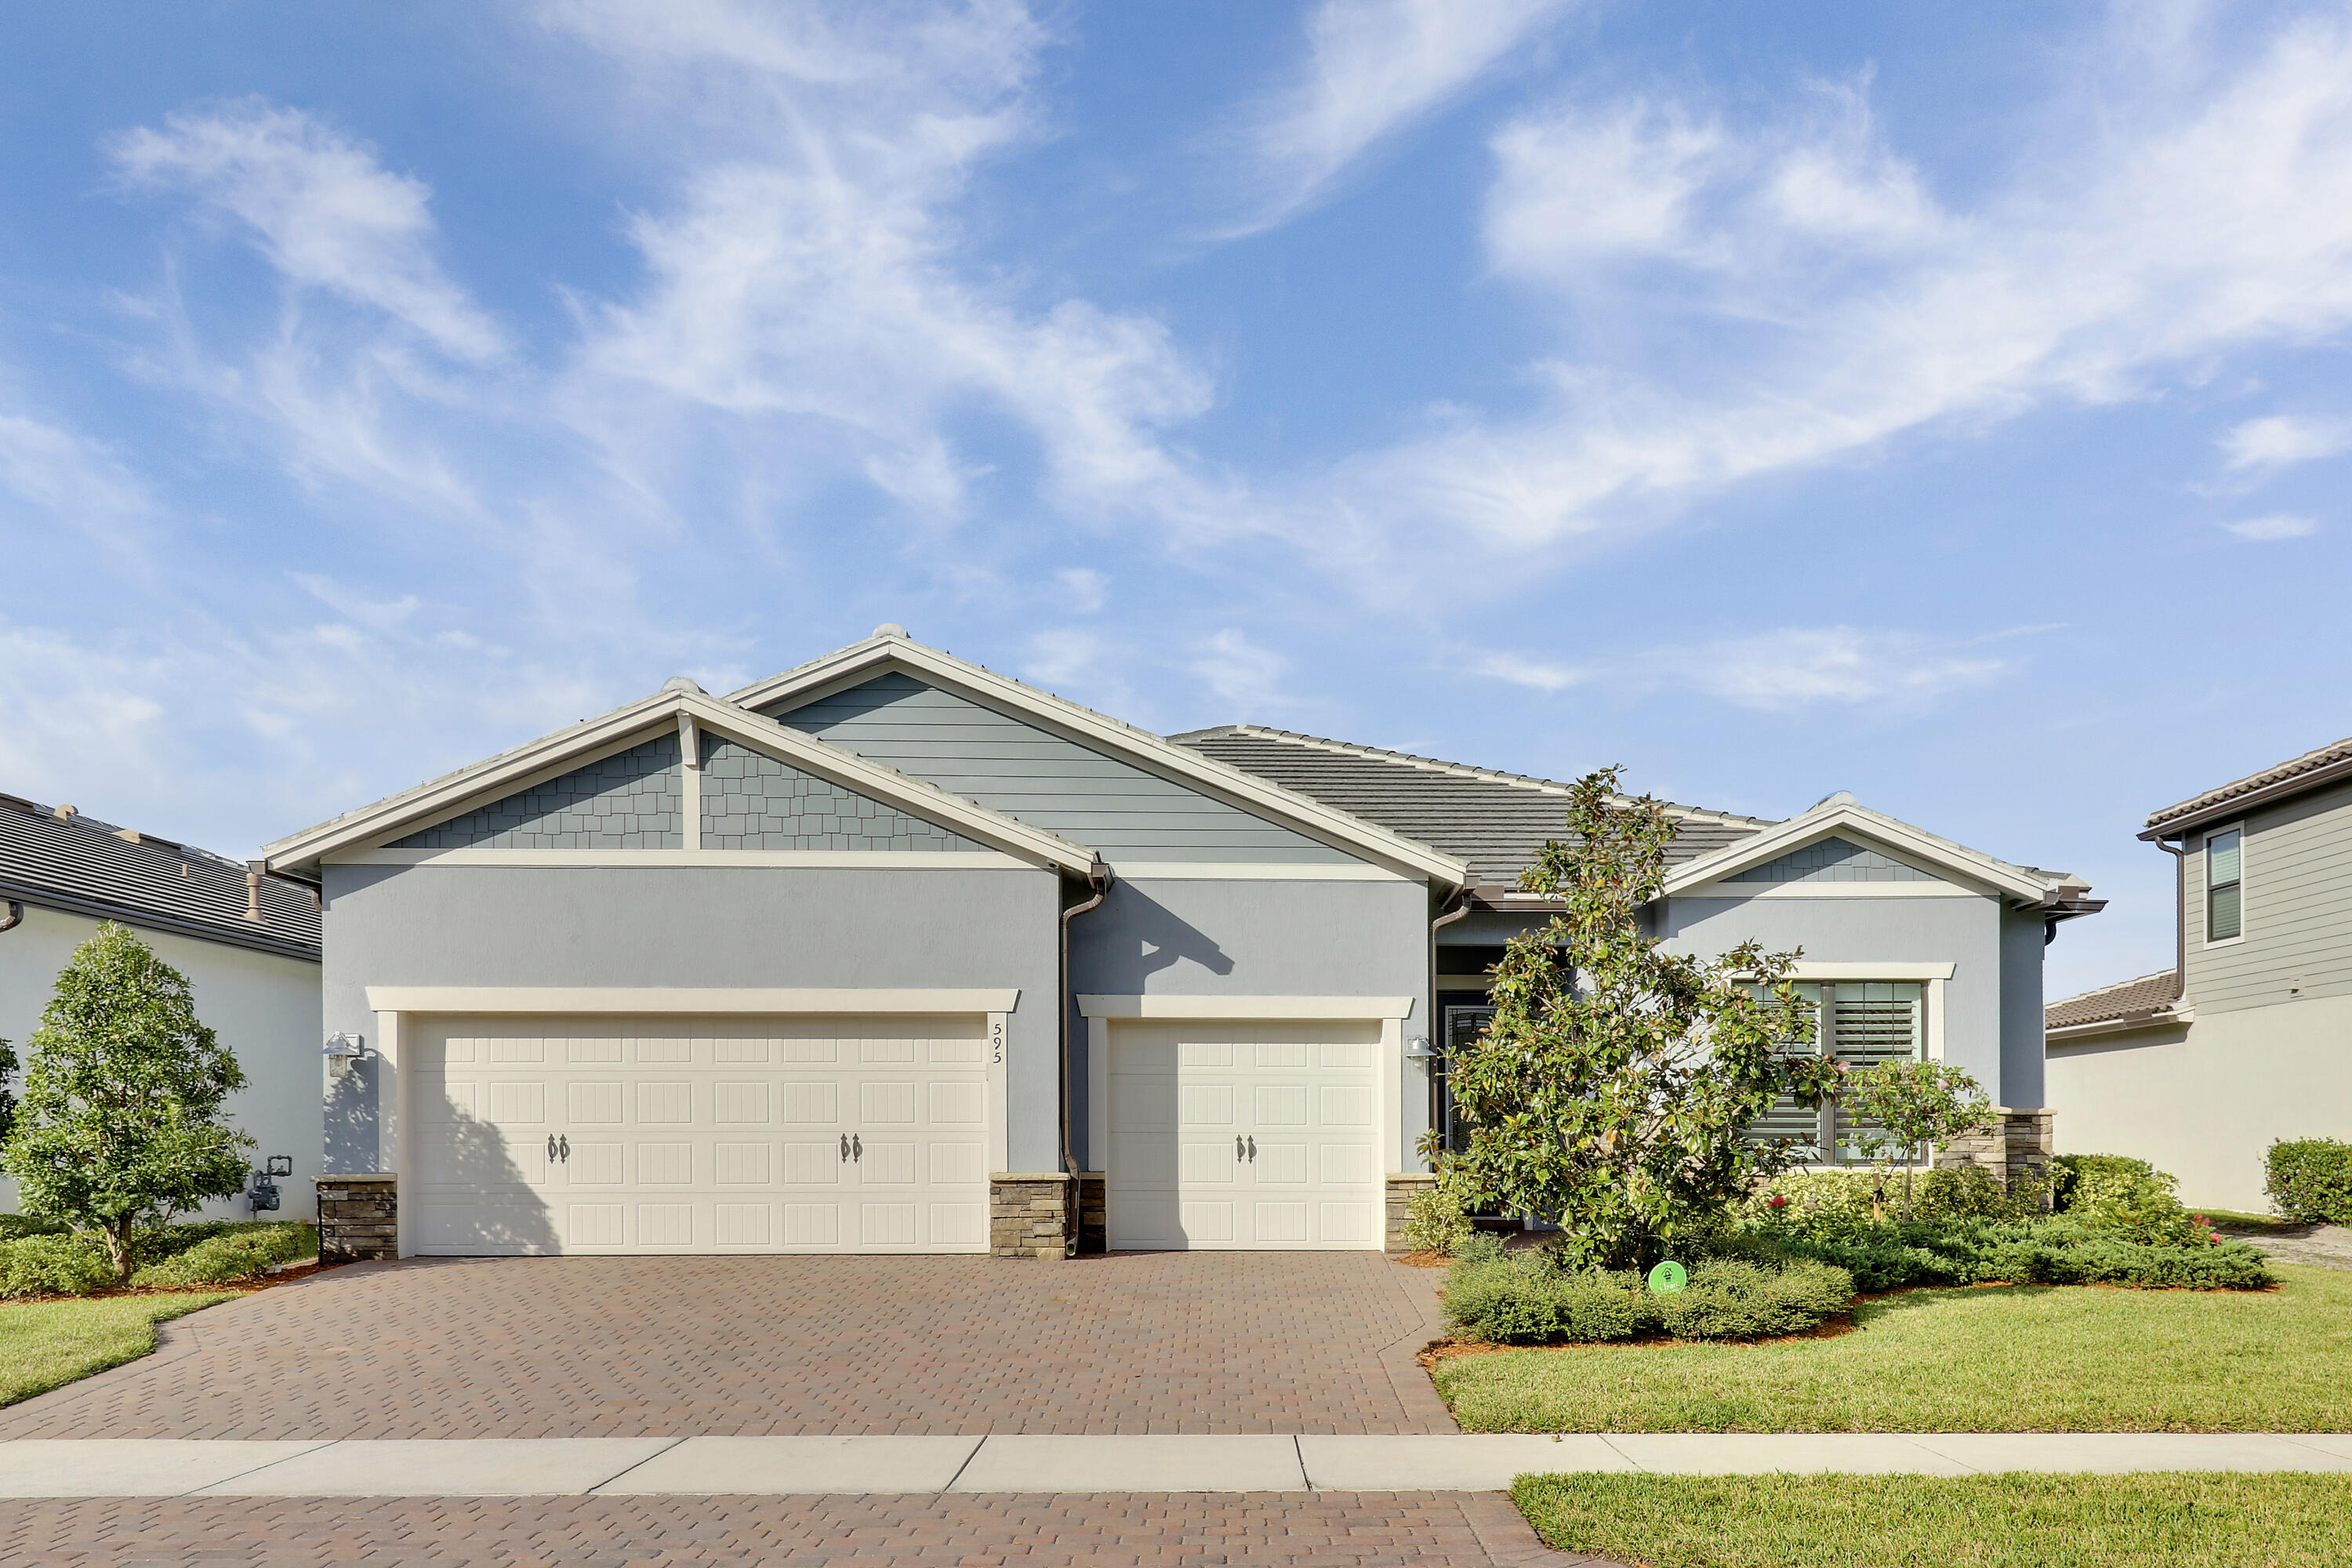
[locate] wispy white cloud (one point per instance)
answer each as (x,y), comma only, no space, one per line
(1083,588)
(1243,675)
(2284,439)
(1784,292)
(2278,525)
(1789,668)
(327,214)
(1374,68)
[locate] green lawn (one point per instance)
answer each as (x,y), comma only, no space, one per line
(47,1344)
(1994,1359)
(1971,1521)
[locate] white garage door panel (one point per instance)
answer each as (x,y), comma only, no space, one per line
(1245,1135)
(701,1135)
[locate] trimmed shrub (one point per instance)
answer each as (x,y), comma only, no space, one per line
(2310,1180)
(1436,1221)
(2128,1197)
(53,1266)
(229,1255)
(12,1225)
(1526,1297)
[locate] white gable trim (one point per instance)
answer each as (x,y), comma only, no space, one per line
(1924,851)
(371,827)
(862,661)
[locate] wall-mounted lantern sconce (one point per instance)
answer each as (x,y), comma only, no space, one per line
(341,1050)
(1419,1049)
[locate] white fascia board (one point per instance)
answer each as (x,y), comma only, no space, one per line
(1740,892)
(1083,724)
(553,754)
(1907,842)
(1252,872)
(648,1000)
(1288,1009)
(862,859)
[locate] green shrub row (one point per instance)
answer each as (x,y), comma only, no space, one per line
(2063,1249)
(1525,1296)
(2310,1180)
(38,1260)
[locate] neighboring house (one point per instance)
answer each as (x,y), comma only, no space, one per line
(2248,1037)
(247,943)
(890,952)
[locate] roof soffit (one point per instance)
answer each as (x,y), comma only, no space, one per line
(1924,851)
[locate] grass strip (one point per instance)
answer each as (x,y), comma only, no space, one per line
(47,1344)
(1989,1359)
(2151,1521)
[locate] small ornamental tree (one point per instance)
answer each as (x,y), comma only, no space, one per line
(119,1123)
(1612,1092)
(1908,1107)
(8,1089)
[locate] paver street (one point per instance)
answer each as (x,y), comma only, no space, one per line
(576,1347)
(1419,1530)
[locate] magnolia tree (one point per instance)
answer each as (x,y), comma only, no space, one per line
(1612,1092)
(119,1123)
(1907,1108)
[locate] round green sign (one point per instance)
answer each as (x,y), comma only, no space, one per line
(1667,1277)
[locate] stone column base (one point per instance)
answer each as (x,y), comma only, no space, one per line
(1094,1212)
(1403,1189)
(359,1217)
(1030,1215)
(2021,1142)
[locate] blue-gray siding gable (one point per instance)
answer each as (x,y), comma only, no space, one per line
(752,801)
(1121,811)
(629,800)
(1833,861)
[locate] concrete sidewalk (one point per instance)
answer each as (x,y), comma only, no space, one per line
(1037,1464)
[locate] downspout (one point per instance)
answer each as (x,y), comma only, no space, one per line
(1099,878)
(1460,906)
(2180,915)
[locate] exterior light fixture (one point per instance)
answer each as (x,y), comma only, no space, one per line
(1419,1049)
(341,1050)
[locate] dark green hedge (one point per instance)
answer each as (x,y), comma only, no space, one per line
(2311,1180)
(1524,1297)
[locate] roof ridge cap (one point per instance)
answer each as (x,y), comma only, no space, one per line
(1464,770)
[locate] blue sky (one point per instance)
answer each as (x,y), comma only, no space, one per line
(1946,403)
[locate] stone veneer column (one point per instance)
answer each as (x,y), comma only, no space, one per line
(359,1217)
(1093,1211)
(1403,1189)
(1029,1214)
(2019,1144)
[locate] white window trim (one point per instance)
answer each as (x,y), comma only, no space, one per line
(2205,887)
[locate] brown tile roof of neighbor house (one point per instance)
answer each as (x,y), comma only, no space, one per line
(1496,822)
(54,857)
(2290,777)
(2126,999)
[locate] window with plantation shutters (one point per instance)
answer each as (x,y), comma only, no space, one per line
(1861,1023)
(2224,907)
(1463,1026)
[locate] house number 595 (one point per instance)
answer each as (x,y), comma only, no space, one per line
(996,1042)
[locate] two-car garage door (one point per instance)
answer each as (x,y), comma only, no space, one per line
(703,1134)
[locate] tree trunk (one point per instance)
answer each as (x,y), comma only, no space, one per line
(1907,1189)
(118,1249)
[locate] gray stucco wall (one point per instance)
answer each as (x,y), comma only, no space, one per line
(688,926)
(1967,932)
(2023,1054)
(1180,937)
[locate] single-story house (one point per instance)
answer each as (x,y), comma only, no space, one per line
(891,953)
(2247,1039)
(247,943)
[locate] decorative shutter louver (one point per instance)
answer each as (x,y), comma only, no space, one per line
(1787,1118)
(1463,1026)
(1872,1023)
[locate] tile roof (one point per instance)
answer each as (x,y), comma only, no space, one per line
(1494,821)
(2327,757)
(86,866)
(2128,998)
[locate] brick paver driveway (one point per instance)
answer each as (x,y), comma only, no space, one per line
(579,1347)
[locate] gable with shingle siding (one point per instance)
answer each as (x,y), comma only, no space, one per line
(752,801)
(630,800)
(1122,811)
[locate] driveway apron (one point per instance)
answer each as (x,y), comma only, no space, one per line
(581,1347)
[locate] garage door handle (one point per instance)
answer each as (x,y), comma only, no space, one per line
(1238,1152)
(550,1148)
(845,1146)
(565,1145)
(1252,1150)
(857,1147)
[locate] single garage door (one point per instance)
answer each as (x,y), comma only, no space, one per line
(604,1135)
(1245,1135)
